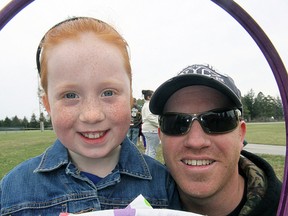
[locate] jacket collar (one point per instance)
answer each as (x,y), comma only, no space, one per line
(131,161)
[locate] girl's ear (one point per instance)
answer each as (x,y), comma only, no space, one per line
(46,103)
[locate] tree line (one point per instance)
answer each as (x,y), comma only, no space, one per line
(262,108)
(255,108)
(17,123)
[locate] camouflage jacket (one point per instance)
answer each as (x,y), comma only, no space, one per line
(263,187)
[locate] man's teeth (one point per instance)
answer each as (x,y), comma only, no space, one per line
(198,162)
(93,135)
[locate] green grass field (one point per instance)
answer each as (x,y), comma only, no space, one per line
(266,133)
(19,146)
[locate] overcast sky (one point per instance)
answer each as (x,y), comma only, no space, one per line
(164,37)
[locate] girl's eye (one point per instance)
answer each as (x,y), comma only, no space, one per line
(70,95)
(108,93)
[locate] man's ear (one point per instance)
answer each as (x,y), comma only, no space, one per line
(242,132)
(159,133)
(46,103)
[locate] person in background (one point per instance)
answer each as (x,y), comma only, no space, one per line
(142,137)
(135,124)
(202,134)
(149,126)
(85,73)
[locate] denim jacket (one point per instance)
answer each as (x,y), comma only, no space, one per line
(50,184)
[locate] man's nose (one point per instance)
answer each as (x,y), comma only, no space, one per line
(196,137)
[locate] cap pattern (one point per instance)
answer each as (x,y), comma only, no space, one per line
(206,71)
(197,74)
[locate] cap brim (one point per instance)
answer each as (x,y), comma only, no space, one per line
(164,91)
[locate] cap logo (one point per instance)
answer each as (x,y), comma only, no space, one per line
(203,70)
(197,74)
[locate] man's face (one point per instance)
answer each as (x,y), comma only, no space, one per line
(203,165)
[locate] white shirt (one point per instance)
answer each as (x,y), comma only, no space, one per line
(150,121)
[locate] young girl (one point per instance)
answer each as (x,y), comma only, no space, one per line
(86,77)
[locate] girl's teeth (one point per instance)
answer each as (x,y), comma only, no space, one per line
(93,135)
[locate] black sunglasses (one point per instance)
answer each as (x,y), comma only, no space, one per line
(212,122)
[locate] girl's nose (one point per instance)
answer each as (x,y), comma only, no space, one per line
(92,112)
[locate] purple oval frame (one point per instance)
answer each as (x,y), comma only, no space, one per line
(259,36)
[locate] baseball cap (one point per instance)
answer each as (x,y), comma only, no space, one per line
(197,74)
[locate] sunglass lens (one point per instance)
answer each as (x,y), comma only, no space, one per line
(219,122)
(175,124)
(212,122)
